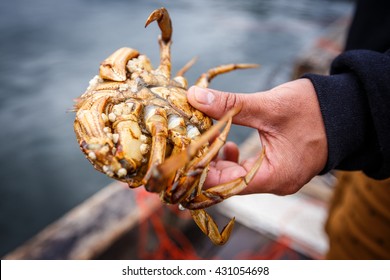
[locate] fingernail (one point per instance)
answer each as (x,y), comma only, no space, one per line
(204,96)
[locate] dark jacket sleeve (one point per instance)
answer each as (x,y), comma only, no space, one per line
(355,105)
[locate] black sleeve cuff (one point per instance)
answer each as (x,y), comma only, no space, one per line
(347,122)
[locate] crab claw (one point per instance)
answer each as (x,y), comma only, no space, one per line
(164,22)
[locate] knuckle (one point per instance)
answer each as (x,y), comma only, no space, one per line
(231,101)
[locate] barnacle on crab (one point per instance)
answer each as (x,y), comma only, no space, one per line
(134,124)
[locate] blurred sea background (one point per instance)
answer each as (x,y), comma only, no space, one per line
(50,49)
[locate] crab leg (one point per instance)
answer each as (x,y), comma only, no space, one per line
(185,68)
(114,67)
(164,22)
(206,223)
(179,78)
(161,173)
(127,136)
(205,78)
(89,121)
(178,135)
(94,139)
(186,184)
(221,192)
(156,124)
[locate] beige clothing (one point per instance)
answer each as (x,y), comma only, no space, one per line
(358,225)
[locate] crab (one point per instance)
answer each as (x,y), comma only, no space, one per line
(134,124)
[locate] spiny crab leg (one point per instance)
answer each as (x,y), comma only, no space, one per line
(205,78)
(164,22)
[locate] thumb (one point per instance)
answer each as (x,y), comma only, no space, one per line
(216,103)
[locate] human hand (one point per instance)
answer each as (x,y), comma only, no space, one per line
(289,121)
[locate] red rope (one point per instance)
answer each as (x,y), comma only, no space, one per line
(158,240)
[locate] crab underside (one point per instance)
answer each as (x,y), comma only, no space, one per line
(135,125)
